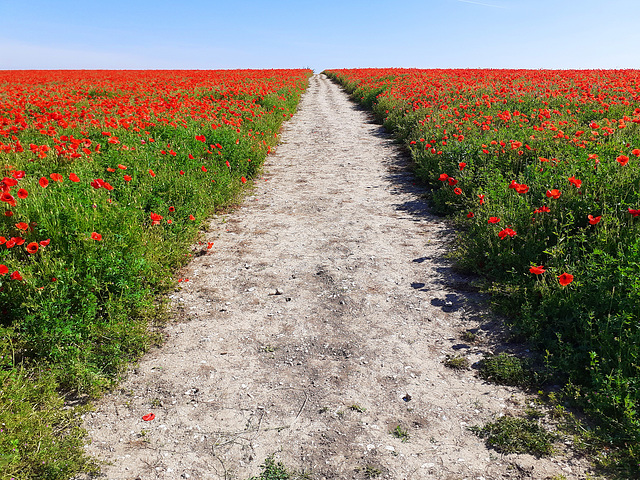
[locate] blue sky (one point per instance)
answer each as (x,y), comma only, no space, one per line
(193,34)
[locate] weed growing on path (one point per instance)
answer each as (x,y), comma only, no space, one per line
(517,435)
(401,433)
(272,470)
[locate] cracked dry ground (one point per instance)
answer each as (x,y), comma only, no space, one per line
(315,326)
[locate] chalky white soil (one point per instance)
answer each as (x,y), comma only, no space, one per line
(318,323)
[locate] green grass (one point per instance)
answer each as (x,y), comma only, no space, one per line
(457,362)
(517,435)
(505,369)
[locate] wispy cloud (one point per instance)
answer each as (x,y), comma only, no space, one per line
(481,3)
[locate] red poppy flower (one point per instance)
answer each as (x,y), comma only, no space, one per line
(4,270)
(191,217)
(181,172)
(32,247)
(73,177)
(3,240)
(461,165)
(56,177)
(594,220)
(172,209)
(201,138)
(537,270)
(18,240)
(565,279)
(452,181)
(443,177)
(506,232)
(97,183)
(457,191)
(16,276)
(109,169)
(622,160)
(226,162)
(96,236)
(191,157)
(543,209)
(156,218)
(8,213)
(22,226)
(44,243)
(121,167)
(127,178)
(636,152)
(151,173)
(22,193)
(633,212)
(148,417)
(493,220)
(203,168)
(43,182)
(553,193)
(522,188)
(481,197)
(470,215)
(8,198)
(209,245)
(243,180)
(575,181)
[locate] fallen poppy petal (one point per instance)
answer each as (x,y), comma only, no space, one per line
(148,417)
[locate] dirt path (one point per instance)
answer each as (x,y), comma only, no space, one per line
(316,325)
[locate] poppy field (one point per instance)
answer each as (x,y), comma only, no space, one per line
(107,179)
(541,170)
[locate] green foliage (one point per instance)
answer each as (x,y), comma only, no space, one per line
(517,435)
(38,437)
(371,471)
(401,433)
(457,362)
(272,470)
(505,369)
